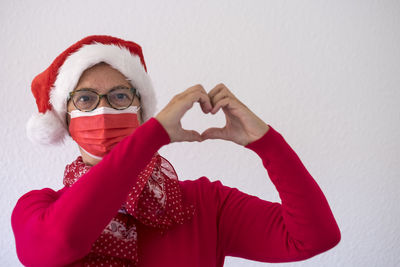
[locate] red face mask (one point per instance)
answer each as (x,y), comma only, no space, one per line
(98,131)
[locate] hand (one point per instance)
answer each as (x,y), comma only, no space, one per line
(242,125)
(170,116)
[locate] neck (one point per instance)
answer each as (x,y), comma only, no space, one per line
(88,160)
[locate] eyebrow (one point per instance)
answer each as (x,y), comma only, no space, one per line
(115,87)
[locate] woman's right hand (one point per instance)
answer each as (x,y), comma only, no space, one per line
(170,116)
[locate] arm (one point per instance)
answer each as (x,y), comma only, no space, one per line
(299,228)
(53,229)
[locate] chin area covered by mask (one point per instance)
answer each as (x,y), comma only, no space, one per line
(98,131)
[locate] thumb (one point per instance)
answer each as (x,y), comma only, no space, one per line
(190,136)
(214,133)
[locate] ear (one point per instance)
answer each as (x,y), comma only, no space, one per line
(68,119)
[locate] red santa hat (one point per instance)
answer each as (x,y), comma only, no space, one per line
(52,87)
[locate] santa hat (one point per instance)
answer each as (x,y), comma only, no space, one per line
(52,87)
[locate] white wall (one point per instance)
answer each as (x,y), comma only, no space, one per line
(325,74)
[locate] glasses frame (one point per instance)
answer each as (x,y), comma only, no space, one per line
(100,96)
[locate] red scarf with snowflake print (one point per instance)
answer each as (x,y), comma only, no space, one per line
(155,200)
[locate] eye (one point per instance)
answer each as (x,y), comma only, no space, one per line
(84,98)
(121,96)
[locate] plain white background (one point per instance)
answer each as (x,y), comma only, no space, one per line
(325,74)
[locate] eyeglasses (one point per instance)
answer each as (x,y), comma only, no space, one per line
(118,98)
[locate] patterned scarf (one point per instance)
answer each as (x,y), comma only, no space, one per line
(155,200)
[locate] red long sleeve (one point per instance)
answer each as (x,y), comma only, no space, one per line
(301,227)
(53,230)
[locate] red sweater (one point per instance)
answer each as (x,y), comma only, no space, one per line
(57,228)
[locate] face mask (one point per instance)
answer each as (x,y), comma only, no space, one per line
(98,131)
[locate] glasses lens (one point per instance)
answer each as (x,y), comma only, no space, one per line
(85,100)
(120,98)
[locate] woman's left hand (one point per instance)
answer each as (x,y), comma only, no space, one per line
(242,125)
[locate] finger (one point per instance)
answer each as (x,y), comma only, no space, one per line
(184,101)
(220,95)
(205,102)
(196,87)
(214,133)
(201,97)
(220,91)
(225,102)
(216,90)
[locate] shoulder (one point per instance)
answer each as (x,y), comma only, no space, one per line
(205,184)
(200,184)
(203,190)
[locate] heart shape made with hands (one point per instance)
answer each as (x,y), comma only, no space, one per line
(197,120)
(233,128)
(242,125)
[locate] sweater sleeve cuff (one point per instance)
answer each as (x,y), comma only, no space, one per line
(156,127)
(268,144)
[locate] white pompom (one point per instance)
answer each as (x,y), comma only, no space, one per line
(46,129)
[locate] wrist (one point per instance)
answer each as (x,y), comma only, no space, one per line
(163,126)
(260,133)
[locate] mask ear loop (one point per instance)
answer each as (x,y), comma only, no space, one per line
(140,112)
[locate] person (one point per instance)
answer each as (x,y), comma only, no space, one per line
(122,203)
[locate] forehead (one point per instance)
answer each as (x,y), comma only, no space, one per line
(102,77)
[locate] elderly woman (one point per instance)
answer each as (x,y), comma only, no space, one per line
(122,203)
